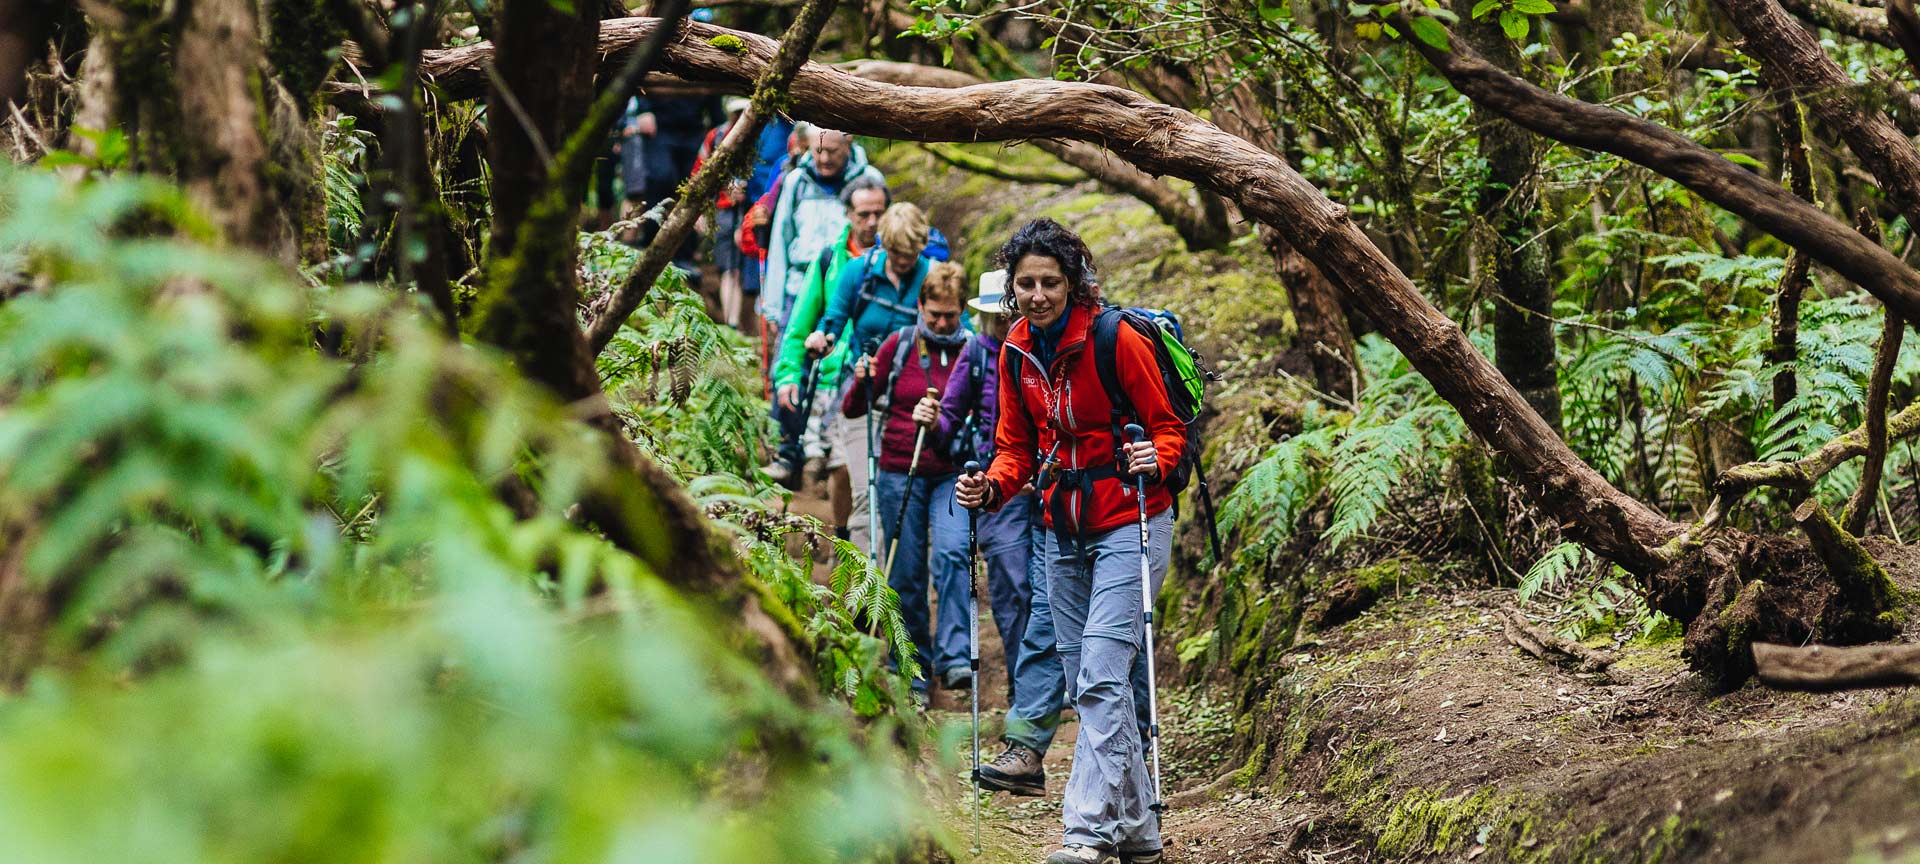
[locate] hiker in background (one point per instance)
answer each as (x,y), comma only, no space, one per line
(1059,430)
(866,200)
(874,296)
(807,216)
(727,210)
(773,155)
(879,296)
(756,230)
(926,537)
(669,131)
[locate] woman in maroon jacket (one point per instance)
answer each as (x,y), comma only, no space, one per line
(1057,429)
(932,537)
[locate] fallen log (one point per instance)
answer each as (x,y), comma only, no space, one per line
(1824,668)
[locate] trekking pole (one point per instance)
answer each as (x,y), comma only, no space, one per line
(900,520)
(873,480)
(1135,434)
(973,647)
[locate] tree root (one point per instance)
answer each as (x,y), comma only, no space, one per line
(1736,589)
(1547,645)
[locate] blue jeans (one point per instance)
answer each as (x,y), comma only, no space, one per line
(1097,610)
(933,543)
(1006,541)
(1039,690)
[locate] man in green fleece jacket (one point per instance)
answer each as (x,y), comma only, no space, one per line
(865,199)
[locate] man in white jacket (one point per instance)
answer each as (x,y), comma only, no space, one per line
(807,216)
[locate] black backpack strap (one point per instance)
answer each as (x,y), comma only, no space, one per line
(1206,506)
(860,294)
(976,371)
(903,339)
(1106,342)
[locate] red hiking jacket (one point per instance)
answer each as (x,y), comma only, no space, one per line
(1065,411)
(896,439)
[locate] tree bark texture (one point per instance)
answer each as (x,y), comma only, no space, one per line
(1823,668)
(529,312)
(189,86)
(1845,18)
(1785,347)
(1322,338)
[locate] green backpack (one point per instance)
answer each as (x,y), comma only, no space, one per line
(1185,378)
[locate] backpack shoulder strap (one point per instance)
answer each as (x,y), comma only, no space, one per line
(860,294)
(1106,341)
(903,344)
(977,366)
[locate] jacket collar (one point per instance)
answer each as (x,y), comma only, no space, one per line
(1079,330)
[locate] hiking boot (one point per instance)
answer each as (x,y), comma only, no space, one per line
(1153,857)
(1018,770)
(1074,853)
(957,678)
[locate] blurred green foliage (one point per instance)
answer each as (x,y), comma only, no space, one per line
(288,616)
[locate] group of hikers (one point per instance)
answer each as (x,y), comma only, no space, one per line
(887,375)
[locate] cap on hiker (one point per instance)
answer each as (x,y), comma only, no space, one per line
(737,104)
(993,293)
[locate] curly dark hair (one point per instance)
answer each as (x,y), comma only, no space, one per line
(1053,240)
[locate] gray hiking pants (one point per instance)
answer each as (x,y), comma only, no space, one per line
(1096,613)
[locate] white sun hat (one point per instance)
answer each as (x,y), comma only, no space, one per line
(993,293)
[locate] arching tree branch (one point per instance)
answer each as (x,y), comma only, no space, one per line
(1165,140)
(1794,57)
(1673,155)
(1199,226)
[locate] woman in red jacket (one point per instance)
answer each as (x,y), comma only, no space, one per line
(1059,430)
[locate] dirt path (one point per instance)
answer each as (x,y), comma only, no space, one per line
(1416,733)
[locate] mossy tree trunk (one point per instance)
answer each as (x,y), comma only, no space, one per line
(1523,346)
(190,87)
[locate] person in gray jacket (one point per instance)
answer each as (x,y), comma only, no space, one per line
(807,216)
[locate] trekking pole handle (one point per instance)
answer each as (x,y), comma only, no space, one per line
(1134,432)
(973,467)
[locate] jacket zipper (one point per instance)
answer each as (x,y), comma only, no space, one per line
(1063,413)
